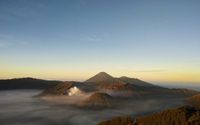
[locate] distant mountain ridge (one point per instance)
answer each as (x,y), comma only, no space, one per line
(102,82)
(136,82)
(26,83)
(33,83)
(104,77)
(122,86)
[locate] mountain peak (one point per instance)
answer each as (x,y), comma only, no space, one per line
(102,76)
(103,73)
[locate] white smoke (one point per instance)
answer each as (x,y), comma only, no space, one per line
(74,91)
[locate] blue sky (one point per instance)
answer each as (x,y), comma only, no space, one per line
(74,39)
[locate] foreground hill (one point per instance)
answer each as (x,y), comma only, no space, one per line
(97,100)
(26,83)
(194,101)
(179,116)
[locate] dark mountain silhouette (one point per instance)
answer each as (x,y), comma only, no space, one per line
(121,87)
(185,115)
(101,77)
(26,83)
(107,81)
(136,82)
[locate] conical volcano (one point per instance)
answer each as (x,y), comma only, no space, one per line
(101,77)
(97,100)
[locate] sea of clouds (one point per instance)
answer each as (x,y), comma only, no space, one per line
(20,107)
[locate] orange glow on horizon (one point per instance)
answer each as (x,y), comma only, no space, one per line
(165,76)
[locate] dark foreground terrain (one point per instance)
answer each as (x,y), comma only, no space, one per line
(185,115)
(179,116)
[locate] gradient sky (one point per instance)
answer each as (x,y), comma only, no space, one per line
(154,40)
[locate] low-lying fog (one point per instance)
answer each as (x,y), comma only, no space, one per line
(188,86)
(19,107)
